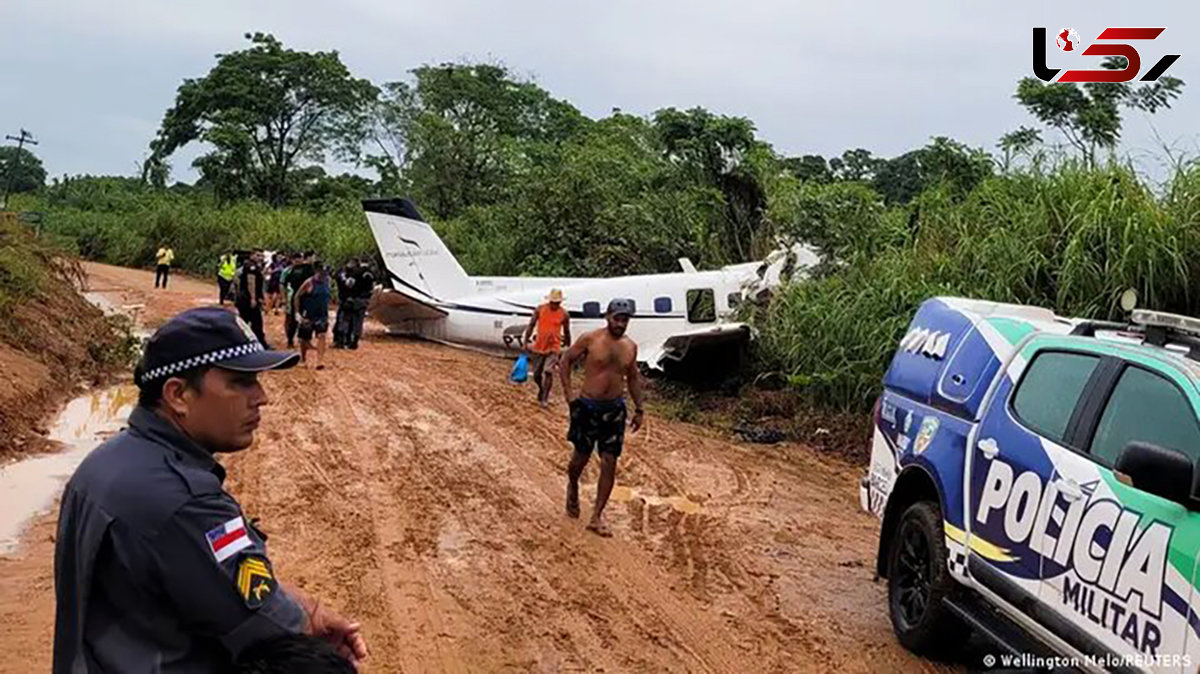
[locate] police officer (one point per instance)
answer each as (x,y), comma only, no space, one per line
(344,281)
(360,298)
(156,567)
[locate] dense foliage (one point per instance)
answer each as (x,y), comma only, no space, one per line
(20,170)
(1070,239)
(123,221)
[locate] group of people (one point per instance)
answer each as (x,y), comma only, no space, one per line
(303,287)
(258,284)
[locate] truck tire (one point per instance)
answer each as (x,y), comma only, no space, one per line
(918,580)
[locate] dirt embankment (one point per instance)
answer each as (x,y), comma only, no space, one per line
(410,486)
(53,343)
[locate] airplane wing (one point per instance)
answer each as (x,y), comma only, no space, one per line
(391,307)
(676,346)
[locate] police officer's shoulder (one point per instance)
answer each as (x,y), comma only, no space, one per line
(139,482)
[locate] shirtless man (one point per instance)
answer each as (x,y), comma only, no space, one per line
(598,414)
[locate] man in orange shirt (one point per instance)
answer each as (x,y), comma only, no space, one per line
(553,326)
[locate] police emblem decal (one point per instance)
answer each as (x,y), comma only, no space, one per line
(929,427)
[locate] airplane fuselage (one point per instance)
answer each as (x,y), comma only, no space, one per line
(496,317)
(433,297)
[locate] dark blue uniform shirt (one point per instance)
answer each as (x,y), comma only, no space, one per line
(146,578)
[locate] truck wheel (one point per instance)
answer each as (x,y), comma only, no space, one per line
(918,579)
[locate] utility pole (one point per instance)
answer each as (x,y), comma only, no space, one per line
(24,138)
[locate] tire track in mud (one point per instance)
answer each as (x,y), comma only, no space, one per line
(678,530)
(508,477)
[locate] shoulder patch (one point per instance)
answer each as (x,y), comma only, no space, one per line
(255,581)
(228,539)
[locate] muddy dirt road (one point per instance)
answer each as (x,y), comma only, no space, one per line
(413,488)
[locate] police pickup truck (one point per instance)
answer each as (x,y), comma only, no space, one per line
(1036,478)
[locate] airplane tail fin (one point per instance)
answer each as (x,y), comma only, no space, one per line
(417,260)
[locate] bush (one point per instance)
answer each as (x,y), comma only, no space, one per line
(123,223)
(1070,240)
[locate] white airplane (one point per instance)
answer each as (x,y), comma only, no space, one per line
(433,298)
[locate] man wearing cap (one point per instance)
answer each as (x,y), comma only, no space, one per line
(553,326)
(598,414)
(156,567)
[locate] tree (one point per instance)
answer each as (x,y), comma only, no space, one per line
(810,168)
(318,192)
(265,110)
(607,201)
(23,168)
(854,165)
(1089,115)
(1019,142)
(717,150)
(943,161)
(457,134)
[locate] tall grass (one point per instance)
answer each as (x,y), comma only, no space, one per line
(23,264)
(125,226)
(1071,239)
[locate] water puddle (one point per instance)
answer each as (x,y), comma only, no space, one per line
(111,308)
(28,487)
(101,301)
(681,503)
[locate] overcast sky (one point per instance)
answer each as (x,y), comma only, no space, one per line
(92,79)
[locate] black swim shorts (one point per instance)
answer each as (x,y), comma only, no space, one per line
(598,424)
(308,327)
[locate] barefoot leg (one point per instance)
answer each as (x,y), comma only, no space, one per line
(608,475)
(579,461)
(546,385)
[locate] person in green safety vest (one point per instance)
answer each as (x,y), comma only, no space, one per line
(226,269)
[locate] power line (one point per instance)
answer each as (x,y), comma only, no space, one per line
(22,140)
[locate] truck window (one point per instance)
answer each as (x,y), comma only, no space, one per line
(662,305)
(701,306)
(1048,392)
(591,310)
(1147,408)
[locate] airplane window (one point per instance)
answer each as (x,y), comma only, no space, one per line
(701,305)
(591,310)
(662,305)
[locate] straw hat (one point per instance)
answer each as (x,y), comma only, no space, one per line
(555,295)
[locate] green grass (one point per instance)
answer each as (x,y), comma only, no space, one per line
(117,223)
(1071,240)
(23,263)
